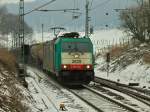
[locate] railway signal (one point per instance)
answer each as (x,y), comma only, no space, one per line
(108,57)
(91,30)
(108,61)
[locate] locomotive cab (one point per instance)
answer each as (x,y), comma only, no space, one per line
(74,59)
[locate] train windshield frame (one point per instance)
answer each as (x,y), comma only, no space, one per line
(76,47)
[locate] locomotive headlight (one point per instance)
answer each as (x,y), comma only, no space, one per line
(76,56)
(88,66)
(65,66)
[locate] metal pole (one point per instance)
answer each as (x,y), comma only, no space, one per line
(107,69)
(148,30)
(42,32)
(142,3)
(87,19)
(21,33)
(12,41)
(43,41)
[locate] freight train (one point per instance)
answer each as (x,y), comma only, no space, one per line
(69,57)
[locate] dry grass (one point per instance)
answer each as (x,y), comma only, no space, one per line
(117,51)
(11,96)
(8,60)
(146,57)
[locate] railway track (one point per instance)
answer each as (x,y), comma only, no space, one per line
(109,105)
(94,100)
(34,83)
(136,89)
(97,100)
(49,99)
(63,94)
(100,102)
(133,92)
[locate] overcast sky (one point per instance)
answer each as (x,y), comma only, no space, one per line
(13,1)
(99,19)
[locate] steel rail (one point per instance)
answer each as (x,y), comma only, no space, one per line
(87,102)
(124,89)
(144,91)
(43,91)
(111,100)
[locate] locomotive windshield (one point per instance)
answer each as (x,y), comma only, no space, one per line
(75,47)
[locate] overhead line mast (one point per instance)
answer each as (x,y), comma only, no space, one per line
(87,19)
(21,27)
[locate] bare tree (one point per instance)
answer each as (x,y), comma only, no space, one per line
(9,23)
(136,22)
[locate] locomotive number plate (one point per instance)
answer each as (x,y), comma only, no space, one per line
(76,61)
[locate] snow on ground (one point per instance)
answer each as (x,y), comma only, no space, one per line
(13,96)
(136,73)
(48,95)
(40,101)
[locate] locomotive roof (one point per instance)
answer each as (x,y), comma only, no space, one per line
(74,40)
(70,35)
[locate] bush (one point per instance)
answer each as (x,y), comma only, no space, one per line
(146,57)
(8,60)
(11,95)
(116,51)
